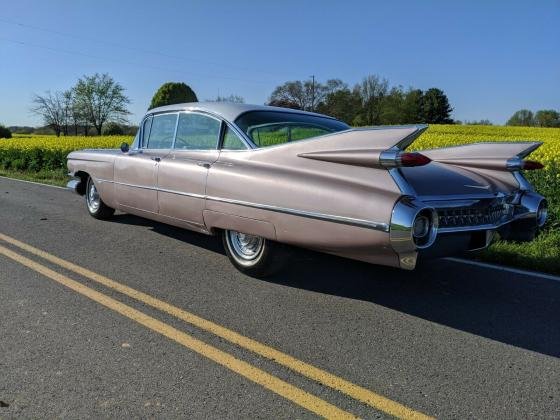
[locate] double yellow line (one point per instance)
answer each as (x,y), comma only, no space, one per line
(268,381)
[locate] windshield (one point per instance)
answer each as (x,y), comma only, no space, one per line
(270,128)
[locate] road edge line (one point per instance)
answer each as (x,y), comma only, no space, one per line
(505,268)
(33,182)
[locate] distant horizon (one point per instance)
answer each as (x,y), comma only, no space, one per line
(491,59)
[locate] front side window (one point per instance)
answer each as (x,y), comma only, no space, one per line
(232,141)
(162,131)
(270,128)
(197,132)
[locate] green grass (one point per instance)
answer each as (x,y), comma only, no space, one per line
(50,177)
(542,254)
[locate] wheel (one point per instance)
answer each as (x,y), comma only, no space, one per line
(95,205)
(253,255)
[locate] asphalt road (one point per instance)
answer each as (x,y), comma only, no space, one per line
(449,340)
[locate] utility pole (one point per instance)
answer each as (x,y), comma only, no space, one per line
(312,92)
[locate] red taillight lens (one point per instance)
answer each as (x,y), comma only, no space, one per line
(413,159)
(530,165)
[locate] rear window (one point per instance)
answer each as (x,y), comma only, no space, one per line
(270,128)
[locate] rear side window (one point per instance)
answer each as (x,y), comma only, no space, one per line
(270,128)
(232,141)
(162,131)
(197,132)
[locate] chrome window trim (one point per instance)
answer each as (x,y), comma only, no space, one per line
(206,114)
(154,115)
(141,142)
(175,131)
(227,125)
(250,145)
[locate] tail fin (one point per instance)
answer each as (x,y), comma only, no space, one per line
(492,155)
(361,146)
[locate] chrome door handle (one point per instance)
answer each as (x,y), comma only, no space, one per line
(156,158)
(204,164)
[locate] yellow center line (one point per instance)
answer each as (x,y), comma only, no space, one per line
(268,381)
(344,386)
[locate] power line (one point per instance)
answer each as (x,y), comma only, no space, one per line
(115,44)
(205,75)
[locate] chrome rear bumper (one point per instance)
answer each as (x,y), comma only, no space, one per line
(466,224)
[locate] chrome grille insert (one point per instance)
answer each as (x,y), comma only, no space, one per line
(478,215)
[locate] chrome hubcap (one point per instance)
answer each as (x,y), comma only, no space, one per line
(92,197)
(246,248)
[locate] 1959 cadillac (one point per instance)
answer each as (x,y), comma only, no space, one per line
(264,176)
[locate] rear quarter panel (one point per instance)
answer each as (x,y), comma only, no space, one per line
(278,177)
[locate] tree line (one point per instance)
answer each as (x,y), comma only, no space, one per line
(92,102)
(371,102)
(541,118)
(98,103)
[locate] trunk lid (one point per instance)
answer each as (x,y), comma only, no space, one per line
(437,179)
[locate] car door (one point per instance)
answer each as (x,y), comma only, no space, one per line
(183,172)
(136,172)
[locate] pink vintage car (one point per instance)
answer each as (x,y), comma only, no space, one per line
(263,177)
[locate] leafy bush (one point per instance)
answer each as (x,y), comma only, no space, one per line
(113,129)
(173,93)
(5,132)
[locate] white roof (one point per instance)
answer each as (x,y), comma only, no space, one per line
(227,110)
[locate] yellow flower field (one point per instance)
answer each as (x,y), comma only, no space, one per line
(449,135)
(435,136)
(48,142)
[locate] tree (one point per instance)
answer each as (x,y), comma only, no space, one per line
(371,90)
(523,117)
(231,98)
(413,106)
(392,107)
(51,108)
(67,102)
(173,93)
(306,95)
(283,103)
(292,93)
(342,104)
(547,118)
(101,99)
(113,129)
(436,108)
(5,132)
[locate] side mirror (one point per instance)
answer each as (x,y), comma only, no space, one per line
(125,147)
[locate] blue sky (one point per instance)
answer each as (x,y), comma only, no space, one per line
(490,57)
